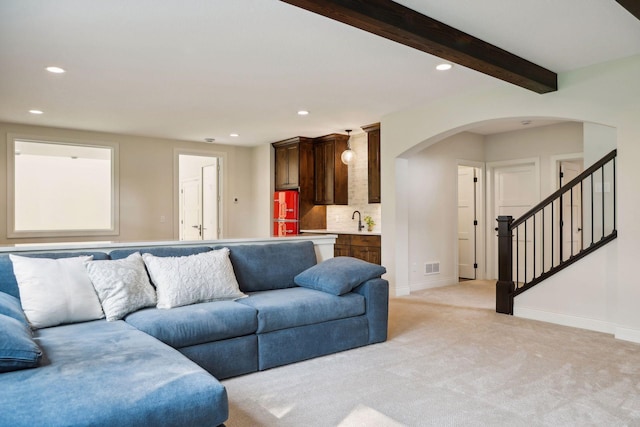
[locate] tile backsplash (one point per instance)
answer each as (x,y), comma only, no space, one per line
(339,216)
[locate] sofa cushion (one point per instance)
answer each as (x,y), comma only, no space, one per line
(17,348)
(110,374)
(196,324)
(8,281)
(271,266)
(56,291)
(122,285)
(195,278)
(10,306)
(160,251)
(339,275)
(288,308)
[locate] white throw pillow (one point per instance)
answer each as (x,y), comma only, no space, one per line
(122,285)
(207,276)
(55,291)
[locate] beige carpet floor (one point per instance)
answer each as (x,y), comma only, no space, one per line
(450,360)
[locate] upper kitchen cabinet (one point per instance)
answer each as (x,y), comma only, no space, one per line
(331,175)
(287,163)
(373,139)
(294,171)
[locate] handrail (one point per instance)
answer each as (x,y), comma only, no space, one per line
(530,230)
(565,188)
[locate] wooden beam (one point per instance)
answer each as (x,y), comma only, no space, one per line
(396,22)
(633,6)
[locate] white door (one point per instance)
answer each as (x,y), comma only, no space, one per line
(210,201)
(571,211)
(200,216)
(190,196)
(516,190)
(466,222)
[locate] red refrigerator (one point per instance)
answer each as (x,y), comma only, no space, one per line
(286,221)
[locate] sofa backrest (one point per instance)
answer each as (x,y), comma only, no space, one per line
(271,266)
(257,267)
(8,283)
(160,251)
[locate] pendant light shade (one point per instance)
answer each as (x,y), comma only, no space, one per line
(348,155)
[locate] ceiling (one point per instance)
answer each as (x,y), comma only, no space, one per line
(196,69)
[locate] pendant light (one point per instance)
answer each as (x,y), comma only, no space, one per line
(348,155)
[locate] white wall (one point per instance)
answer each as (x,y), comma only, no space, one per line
(432,185)
(147,183)
(599,140)
(433,207)
(540,142)
(262,190)
(604,93)
(190,167)
(568,299)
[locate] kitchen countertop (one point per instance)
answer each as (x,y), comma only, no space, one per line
(329,231)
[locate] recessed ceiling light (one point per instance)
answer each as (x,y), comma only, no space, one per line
(35,111)
(444,67)
(303,113)
(525,122)
(209,140)
(234,135)
(56,70)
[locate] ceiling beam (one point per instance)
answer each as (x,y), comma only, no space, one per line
(633,6)
(396,22)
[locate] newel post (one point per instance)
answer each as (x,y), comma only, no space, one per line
(505,285)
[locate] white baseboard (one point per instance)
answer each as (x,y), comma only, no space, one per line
(566,320)
(444,281)
(627,334)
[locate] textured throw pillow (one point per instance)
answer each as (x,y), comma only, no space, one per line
(338,275)
(56,291)
(122,285)
(190,279)
(17,348)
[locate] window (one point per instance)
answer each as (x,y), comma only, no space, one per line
(61,188)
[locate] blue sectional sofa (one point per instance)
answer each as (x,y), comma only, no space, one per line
(162,367)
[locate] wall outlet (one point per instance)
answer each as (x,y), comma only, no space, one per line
(431,268)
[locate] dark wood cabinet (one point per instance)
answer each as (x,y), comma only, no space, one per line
(373,145)
(287,161)
(294,166)
(331,175)
(342,246)
(366,247)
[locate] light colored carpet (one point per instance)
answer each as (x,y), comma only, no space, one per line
(452,361)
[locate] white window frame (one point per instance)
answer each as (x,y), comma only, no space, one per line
(114,228)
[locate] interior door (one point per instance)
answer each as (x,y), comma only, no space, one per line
(210,201)
(571,211)
(515,192)
(466,222)
(190,192)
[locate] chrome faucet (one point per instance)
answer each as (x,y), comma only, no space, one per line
(360,226)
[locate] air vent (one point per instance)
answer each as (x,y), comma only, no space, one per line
(431,268)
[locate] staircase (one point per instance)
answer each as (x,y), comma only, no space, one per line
(565,227)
